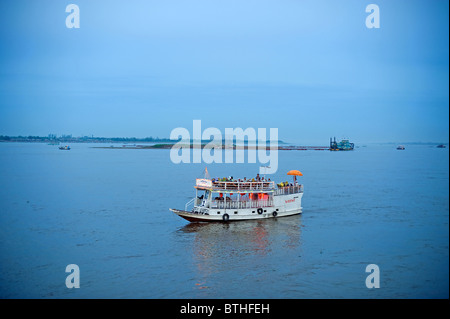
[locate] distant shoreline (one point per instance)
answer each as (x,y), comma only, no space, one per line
(155,143)
(84,139)
(92,139)
(165,143)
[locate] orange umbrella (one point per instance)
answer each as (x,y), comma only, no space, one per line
(295,173)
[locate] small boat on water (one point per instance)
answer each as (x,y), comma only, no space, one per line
(441,146)
(229,199)
(401,147)
(66,148)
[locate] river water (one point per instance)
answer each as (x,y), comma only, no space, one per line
(107,211)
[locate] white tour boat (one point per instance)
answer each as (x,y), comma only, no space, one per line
(228,199)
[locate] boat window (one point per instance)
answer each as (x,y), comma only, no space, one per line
(202,194)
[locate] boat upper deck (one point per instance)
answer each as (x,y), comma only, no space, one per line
(240,186)
(235,185)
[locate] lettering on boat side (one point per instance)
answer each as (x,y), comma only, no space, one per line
(235,308)
(221,149)
(290,200)
(373,279)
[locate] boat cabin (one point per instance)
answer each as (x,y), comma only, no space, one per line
(239,194)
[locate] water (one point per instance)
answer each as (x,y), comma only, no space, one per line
(107,211)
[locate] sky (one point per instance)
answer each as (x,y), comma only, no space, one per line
(310,68)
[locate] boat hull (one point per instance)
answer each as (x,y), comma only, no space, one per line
(284,203)
(198,217)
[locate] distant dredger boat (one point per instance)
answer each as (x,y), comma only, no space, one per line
(343,145)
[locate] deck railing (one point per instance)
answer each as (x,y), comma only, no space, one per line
(237,204)
(191,202)
(286,190)
(243,186)
(241,204)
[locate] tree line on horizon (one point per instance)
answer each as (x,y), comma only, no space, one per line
(69,138)
(34,138)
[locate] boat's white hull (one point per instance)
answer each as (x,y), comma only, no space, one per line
(196,217)
(284,205)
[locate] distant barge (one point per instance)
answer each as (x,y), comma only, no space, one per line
(343,145)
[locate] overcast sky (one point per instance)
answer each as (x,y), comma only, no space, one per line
(312,69)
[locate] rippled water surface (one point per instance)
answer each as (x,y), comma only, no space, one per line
(107,211)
